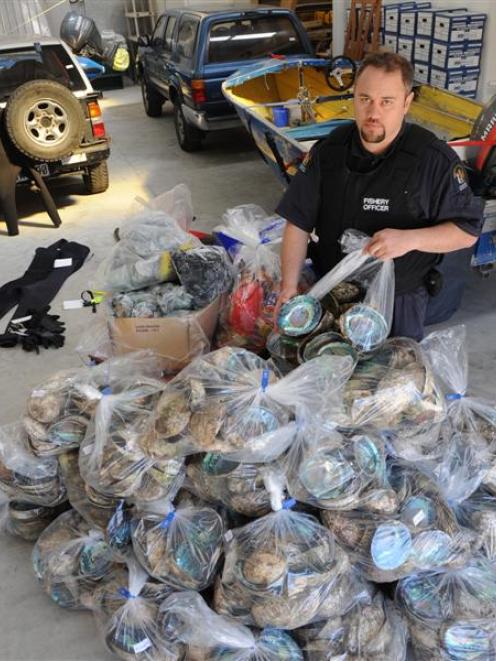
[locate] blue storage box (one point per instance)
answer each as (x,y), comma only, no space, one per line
(392,15)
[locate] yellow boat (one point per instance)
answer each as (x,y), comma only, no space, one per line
(289,104)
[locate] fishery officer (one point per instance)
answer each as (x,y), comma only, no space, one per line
(395,181)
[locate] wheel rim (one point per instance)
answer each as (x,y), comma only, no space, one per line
(46,123)
(180,125)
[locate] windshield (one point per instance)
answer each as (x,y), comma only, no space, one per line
(17,66)
(253,38)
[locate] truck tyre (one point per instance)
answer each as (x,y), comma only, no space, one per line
(96,180)
(152,100)
(188,136)
(44,120)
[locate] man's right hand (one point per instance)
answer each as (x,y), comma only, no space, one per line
(285,294)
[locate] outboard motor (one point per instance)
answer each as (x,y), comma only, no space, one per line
(83,37)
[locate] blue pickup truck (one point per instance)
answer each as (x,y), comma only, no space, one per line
(191,52)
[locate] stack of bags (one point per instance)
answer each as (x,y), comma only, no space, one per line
(336,511)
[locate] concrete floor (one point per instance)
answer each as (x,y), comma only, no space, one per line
(145,161)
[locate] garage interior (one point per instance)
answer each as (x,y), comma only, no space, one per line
(145,161)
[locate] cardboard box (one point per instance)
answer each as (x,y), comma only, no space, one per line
(390,42)
(405,47)
(421,72)
(455,55)
(451,80)
(451,27)
(409,18)
(422,49)
(476,25)
(176,340)
(392,15)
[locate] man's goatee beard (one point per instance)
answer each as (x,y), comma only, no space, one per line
(374,138)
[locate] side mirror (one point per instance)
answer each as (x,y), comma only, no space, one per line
(144,40)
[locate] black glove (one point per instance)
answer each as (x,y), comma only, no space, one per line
(42,330)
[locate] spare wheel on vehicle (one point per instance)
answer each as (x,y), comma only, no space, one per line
(44,120)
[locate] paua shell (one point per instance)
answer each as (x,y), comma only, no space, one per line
(347,292)
(364,326)
(391,545)
(299,316)
(328,344)
(418,513)
(172,414)
(432,549)
(264,568)
(45,406)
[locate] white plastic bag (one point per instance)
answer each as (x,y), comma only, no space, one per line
(127,618)
(337,472)
(451,613)
(186,617)
(280,569)
(447,351)
(142,257)
(412,529)
(180,547)
(365,324)
(24,476)
(372,630)
(394,390)
(249,235)
(70,558)
(232,402)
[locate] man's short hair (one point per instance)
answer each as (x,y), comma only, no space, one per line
(389,62)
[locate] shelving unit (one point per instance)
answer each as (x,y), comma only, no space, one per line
(140,17)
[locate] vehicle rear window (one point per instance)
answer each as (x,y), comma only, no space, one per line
(252,38)
(18,66)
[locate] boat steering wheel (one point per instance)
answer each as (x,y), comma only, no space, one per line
(340,73)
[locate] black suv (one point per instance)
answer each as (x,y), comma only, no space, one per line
(191,52)
(50,112)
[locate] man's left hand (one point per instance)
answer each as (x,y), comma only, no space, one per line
(389,243)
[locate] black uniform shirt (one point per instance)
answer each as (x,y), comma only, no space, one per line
(440,190)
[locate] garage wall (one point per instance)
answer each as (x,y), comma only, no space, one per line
(108,14)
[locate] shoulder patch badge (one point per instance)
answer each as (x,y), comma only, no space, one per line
(460,177)
(305,162)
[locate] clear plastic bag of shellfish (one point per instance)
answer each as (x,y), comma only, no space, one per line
(100,510)
(208,636)
(247,316)
(180,547)
(111,459)
(280,570)
(472,416)
(366,324)
(373,630)
(393,390)
(142,257)
(126,612)
(70,558)
(238,486)
(234,403)
(23,476)
(451,613)
(407,529)
(25,520)
(336,471)
(58,410)
(478,513)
